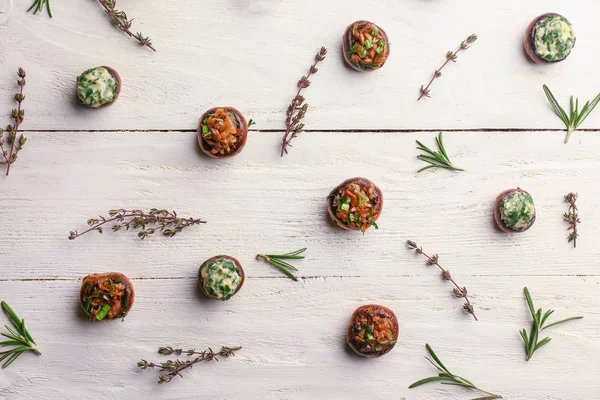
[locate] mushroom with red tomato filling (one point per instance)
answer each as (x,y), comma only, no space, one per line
(105,297)
(365,46)
(549,38)
(221,277)
(355,204)
(372,331)
(514,210)
(222,132)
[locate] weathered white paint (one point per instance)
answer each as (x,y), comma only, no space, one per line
(249,54)
(292,333)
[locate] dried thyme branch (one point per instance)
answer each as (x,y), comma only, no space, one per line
(166,222)
(436,159)
(575,117)
(572,217)
(19,337)
(460,292)
(174,368)
(38,6)
(119,19)
(297,109)
(448,378)
(14,145)
(539,318)
(276,260)
(450,56)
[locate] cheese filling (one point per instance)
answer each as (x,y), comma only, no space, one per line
(221,278)
(517,210)
(96,87)
(554,38)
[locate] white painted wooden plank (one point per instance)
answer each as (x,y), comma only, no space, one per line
(259,202)
(249,54)
(293,338)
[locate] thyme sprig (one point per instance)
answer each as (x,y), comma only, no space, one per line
(297,109)
(436,159)
(19,337)
(532,342)
(459,292)
(276,260)
(165,221)
(174,368)
(575,117)
(450,56)
(572,217)
(13,145)
(448,378)
(38,6)
(119,19)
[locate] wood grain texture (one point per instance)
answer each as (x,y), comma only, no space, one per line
(249,54)
(259,202)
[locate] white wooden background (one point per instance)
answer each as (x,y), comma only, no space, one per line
(248,53)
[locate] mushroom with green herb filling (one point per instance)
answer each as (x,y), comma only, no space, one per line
(365,46)
(105,297)
(514,210)
(549,38)
(372,331)
(355,204)
(221,277)
(222,132)
(98,87)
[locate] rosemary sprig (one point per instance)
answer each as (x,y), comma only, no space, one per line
(532,344)
(119,20)
(572,217)
(450,56)
(276,260)
(166,222)
(575,117)
(297,109)
(14,145)
(448,378)
(174,368)
(436,159)
(19,337)
(38,6)
(459,292)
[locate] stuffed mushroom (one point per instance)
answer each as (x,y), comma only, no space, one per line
(221,277)
(222,132)
(549,38)
(355,204)
(98,87)
(365,46)
(105,297)
(514,210)
(372,331)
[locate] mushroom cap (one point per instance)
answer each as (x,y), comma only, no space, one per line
(205,263)
(241,122)
(364,182)
(93,279)
(117,77)
(498,216)
(346,45)
(380,311)
(529,39)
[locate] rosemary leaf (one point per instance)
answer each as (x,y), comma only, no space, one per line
(19,336)
(276,260)
(575,117)
(435,159)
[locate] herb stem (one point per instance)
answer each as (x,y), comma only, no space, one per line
(450,56)
(119,19)
(457,291)
(572,217)
(18,120)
